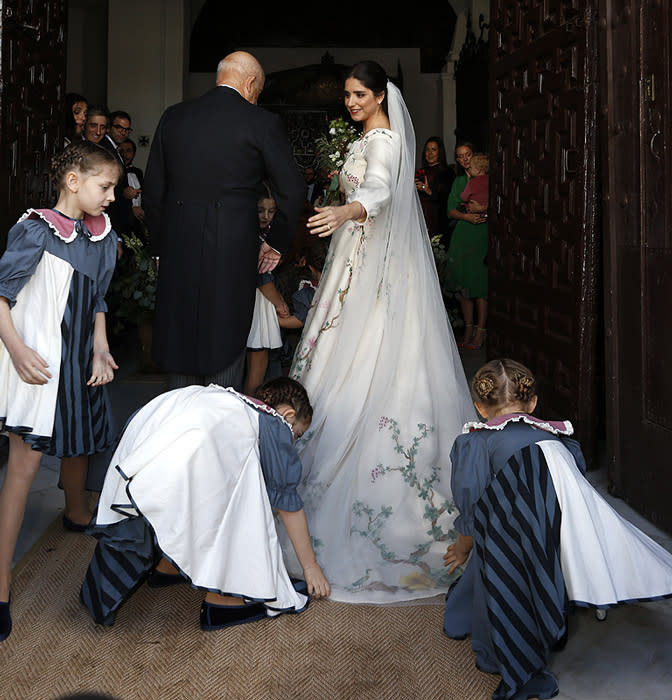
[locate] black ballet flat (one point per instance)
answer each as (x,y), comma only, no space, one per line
(74,527)
(217,617)
(5,621)
(157,579)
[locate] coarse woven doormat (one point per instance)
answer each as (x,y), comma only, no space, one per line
(156,649)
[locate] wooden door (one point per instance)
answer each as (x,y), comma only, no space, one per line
(32,68)
(544,257)
(637,176)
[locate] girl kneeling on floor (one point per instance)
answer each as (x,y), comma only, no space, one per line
(193,483)
(543,538)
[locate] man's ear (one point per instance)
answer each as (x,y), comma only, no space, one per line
(250,89)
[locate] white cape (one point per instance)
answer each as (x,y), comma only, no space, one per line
(605,559)
(189,463)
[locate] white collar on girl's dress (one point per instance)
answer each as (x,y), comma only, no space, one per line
(66,228)
(258,404)
(556,427)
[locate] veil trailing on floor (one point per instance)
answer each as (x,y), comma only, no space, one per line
(381,366)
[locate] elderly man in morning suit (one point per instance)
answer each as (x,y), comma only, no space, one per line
(208,157)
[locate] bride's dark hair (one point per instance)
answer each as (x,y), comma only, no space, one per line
(373,76)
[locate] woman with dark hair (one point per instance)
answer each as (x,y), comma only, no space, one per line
(375,346)
(433,182)
(74,116)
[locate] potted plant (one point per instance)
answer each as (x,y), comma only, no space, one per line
(133,293)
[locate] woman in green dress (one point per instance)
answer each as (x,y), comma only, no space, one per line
(467,265)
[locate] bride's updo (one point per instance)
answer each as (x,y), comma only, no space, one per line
(373,76)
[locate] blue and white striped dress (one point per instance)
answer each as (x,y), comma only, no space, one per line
(55,272)
(544,541)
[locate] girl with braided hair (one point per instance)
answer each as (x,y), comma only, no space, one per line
(194,483)
(538,537)
(54,354)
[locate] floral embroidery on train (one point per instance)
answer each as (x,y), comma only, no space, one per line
(371,524)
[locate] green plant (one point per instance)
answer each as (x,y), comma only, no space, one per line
(133,288)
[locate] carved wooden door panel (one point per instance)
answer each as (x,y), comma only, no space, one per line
(637,177)
(544,249)
(32,67)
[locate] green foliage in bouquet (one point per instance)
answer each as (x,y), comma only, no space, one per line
(331,149)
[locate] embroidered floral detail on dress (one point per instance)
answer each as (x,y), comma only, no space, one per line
(372,524)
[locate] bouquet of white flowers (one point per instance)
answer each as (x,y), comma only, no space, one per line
(331,151)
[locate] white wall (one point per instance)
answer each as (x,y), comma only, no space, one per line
(146,63)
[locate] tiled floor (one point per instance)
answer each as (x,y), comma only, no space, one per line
(628,656)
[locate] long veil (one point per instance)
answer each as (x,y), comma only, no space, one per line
(381,366)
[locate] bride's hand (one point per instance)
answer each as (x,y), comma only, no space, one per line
(328,219)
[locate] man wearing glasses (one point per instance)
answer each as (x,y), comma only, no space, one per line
(121,210)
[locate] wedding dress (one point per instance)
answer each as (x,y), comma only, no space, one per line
(380,364)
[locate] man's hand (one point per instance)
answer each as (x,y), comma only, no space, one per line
(268,258)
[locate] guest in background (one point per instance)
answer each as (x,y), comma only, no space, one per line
(467,271)
(433,182)
(121,210)
(74,117)
(269,306)
(96,124)
(134,177)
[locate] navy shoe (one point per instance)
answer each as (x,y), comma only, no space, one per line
(300,586)
(156,579)
(542,685)
(5,621)
(217,617)
(74,527)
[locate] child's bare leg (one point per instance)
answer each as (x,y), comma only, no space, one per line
(257,363)
(481,315)
(73,479)
(467,306)
(22,466)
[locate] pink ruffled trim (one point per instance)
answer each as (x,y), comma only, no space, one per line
(259,405)
(64,228)
(500,422)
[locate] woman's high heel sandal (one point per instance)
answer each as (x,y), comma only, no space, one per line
(5,621)
(468,335)
(474,346)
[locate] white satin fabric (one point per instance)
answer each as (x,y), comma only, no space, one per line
(605,559)
(380,364)
(44,297)
(188,462)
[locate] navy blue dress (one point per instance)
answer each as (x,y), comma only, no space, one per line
(127,550)
(49,252)
(511,597)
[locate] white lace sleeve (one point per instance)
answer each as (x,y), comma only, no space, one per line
(382,158)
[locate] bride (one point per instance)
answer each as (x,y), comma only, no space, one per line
(380,364)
